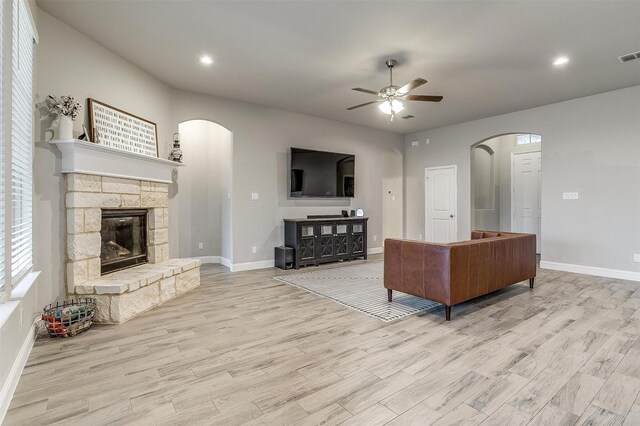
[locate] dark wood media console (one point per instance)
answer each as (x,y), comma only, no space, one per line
(323,240)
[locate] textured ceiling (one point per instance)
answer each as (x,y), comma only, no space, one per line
(485,58)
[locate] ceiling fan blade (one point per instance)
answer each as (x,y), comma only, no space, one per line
(365,104)
(425,98)
(360,89)
(411,85)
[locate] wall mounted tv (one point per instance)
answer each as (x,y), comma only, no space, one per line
(317,174)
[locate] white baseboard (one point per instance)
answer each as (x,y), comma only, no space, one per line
(215,260)
(209,259)
(261,264)
(9,387)
(248,266)
(591,270)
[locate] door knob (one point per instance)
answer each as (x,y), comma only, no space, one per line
(450,215)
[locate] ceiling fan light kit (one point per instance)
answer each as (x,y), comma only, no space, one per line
(391,97)
(391,107)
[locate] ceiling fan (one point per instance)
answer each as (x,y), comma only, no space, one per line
(391,97)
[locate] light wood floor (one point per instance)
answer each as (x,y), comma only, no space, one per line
(246,349)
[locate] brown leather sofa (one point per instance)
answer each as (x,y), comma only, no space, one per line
(457,272)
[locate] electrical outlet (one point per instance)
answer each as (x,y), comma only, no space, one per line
(427,141)
(414,143)
(636,257)
(569,195)
(255,196)
(375,238)
(254,250)
(200,246)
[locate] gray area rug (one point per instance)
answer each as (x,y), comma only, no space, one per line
(360,287)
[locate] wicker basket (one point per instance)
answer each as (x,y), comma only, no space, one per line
(70,317)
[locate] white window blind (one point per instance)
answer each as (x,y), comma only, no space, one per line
(2,154)
(21,143)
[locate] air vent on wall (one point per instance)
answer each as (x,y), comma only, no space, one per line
(406,117)
(629,57)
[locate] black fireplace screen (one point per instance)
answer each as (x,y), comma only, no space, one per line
(124,239)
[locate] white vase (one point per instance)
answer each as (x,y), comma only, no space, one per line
(65,127)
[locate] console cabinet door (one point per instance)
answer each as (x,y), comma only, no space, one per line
(326,250)
(342,240)
(307,245)
(357,241)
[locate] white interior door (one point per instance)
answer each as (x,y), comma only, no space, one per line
(440,204)
(525,202)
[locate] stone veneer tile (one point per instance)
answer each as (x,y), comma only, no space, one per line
(184,264)
(145,185)
(92,220)
(154,199)
(134,285)
(120,186)
(84,289)
(110,286)
(187,280)
(83,246)
(94,268)
(156,218)
(77,273)
(160,187)
(128,305)
(75,221)
(103,307)
(130,200)
(83,183)
(158,236)
(167,289)
(92,200)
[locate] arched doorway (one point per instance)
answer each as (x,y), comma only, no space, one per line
(204,192)
(506,185)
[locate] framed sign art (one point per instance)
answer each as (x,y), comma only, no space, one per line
(118,129)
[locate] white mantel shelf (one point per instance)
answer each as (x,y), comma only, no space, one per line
(95,159)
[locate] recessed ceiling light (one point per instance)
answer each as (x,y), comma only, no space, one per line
(561,60)
(206,59)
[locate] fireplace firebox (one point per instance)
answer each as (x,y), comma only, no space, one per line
(124,239)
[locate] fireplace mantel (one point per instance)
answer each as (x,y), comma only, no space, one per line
(95,159)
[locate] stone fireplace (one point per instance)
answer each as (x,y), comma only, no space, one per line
(117,247)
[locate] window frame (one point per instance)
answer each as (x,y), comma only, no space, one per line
(11,34)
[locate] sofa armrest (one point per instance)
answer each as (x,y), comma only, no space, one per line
(417,268)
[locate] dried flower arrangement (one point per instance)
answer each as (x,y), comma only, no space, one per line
(66,106)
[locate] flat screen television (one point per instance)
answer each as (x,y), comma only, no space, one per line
(317,174)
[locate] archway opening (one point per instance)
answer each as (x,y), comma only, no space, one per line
(204,192)
(506,187)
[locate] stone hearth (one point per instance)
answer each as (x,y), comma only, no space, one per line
(123,294)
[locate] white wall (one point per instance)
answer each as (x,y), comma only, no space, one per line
(590,146)
(392,194)
(261,141)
